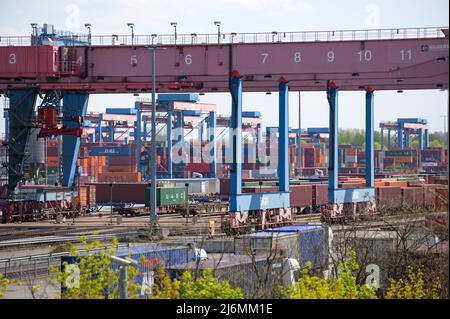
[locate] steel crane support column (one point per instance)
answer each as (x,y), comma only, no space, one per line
(111,131)
(420,139)
(382,138)
(349,195)
(99,128)
(370,175)
(332,96)
(427,139)
(74,107)
(283,137)
(212,142)
(138,135)
(179,129)
(236,140)
(6,117)
(389,138)
(400,136)
(21,108)
(169,140)
(144,129)
(262,201)
(407,139)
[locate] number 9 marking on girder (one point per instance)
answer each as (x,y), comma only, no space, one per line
(12,58)
(264,55)
(188,59)
(297,57)
(330,56)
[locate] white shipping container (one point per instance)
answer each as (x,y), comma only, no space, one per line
(351,159)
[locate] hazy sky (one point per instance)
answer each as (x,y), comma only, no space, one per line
(108,17)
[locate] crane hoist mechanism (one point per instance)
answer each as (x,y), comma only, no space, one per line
(178,85)
(50,121)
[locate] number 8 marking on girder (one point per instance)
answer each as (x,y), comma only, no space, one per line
(297,57)
(188,59)
(12,58)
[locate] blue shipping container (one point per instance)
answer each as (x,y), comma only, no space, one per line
(183,97)
(312,241)
(110,151)
(153,257)
(253,114)
(120,111)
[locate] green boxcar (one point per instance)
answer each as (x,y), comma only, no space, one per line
(402,153)
(166,196)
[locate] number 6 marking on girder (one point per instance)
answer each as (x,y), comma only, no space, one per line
(188,59)
(265,55)
(12,58)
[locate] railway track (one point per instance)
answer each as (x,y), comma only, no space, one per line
(86,225)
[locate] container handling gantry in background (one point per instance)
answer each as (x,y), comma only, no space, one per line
(405,127)
(184,111)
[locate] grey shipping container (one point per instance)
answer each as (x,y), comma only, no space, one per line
(150,258)
(273,244)
(257,276)
(225,245)
(313,242)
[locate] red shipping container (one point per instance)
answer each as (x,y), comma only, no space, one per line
(389,197)
(320,194)
(301,195)
(121,192)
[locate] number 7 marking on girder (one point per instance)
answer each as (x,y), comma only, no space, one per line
(265,55)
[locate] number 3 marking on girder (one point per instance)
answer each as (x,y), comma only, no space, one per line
(264,55)
(12,58)
(188,59)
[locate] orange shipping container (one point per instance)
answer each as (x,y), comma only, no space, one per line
(52,161)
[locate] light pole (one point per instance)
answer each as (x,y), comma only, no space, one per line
(274,33)
(233,34)
(217,23)
(193,38)
(110,203)
(445,131)
(131,25)
(299,136)
(124,263)
(88,26)
(153,214)
(34,28)
(174,25)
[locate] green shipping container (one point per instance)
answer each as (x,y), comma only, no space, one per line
(402,153)
(168,196)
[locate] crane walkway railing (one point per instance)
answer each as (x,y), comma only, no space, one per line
(233,37)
